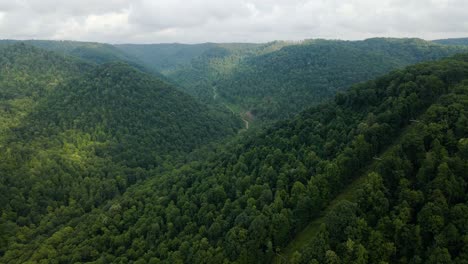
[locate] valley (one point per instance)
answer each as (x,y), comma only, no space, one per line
(278,152)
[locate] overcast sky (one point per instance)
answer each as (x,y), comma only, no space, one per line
(195,21)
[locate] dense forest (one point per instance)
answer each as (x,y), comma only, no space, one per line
(263,82)
(88,173)
(278,80)
(412,207)
(92,52)
(76,134)
(165,57)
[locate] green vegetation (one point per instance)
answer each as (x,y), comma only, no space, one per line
(245,201)
(96,53)
(453,41)
(199,77)
(412,207)
(277,80)
(75,135)
(28,75)
(165,58)
(89,51)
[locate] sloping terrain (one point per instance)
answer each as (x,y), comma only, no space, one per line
(165,57)
(246,201)
(91,52)
(75,135)
(278,80)
(199,76)
(409,206)
(27,75)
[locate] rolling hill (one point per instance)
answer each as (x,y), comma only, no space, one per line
(165,57)
(91,52)
(76,134)
(277,80)
(246,201)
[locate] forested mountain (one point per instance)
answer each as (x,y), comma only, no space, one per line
(277,80)
(28,74)
(453,41)
(75,134)
(170,58)
(89,51)
(165,57)
(245,202)
(200,75)
(92,52)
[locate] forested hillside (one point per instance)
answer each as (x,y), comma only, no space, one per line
(75,135)
(246,201)
(27,75)
(278,80)
(91,52)
(165,57)
(199,76)
(412,207)
(453,41)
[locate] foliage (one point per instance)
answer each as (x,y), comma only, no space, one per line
(278,80)
(244,202)
(165,57)
(91,52)
(76,135)
(413,207)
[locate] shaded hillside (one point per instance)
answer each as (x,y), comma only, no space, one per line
(140,113)
(200,75)
(80,134)
(165,57)
(273,84)
(92,52)
(28,74)
(247,201)
(411,205)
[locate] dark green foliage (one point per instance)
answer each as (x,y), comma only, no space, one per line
(243,203)
(200,75)
(165,57)
(75,135)
(278,80)
(412,208)
(96,53)
(89,51)
(131,112)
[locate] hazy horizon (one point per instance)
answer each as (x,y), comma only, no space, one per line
(209,42)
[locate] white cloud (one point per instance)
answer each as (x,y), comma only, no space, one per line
(153,21)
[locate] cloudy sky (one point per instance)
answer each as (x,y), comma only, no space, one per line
(194,21)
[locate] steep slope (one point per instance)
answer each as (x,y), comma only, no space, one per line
(280,83)
(410,206)
(28,74)
(92,52)
(244,203)
(83,138)
(165,57)
(199,76)
(89,51)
